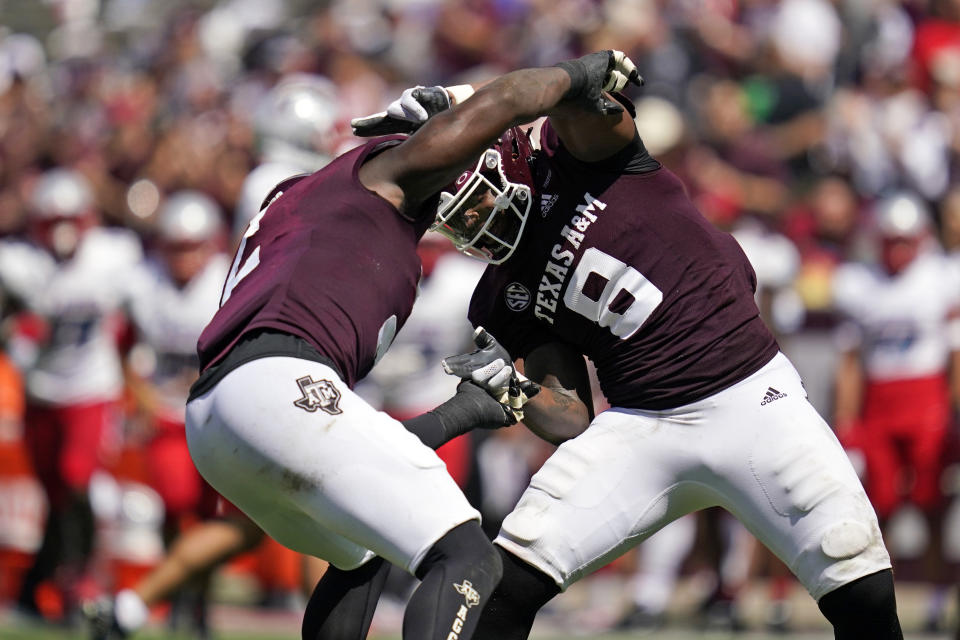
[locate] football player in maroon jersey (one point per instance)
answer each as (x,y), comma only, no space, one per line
(620,267)
(323,278)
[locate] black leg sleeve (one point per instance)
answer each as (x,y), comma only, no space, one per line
(864,608)
(45,561)
(458,575)
(342,604)
(514,604)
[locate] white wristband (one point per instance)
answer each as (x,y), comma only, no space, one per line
(459,93)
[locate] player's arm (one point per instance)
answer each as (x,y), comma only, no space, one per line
(554,371)
(450,141)
(564,407)
(588,135)
(592,137)
(848,391)
(438,152)
(470,408)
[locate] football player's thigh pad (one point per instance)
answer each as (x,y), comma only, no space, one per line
(600,494)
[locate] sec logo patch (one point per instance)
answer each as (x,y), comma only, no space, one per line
(516,296)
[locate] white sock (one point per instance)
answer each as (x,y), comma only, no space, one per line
(660,558)
(130,611)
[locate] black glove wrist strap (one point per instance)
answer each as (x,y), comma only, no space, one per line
(577,71)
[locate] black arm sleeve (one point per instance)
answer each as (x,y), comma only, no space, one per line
(428,428)
(470,408)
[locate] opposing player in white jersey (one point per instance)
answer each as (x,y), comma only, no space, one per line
(897,378)
(294,125)
(619,266)
(173,297)
(70,279)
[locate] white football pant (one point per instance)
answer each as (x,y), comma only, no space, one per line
(758,449)
(323,475)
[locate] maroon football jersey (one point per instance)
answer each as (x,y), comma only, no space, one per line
(327,260)
(624,268)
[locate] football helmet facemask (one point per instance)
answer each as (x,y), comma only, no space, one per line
(485,210)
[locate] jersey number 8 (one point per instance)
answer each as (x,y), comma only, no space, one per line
(627,299)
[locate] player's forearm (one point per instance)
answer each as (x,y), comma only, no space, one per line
(463,132)
(452,140)
(556,415)
(954,372)
(521,96)
(848,391)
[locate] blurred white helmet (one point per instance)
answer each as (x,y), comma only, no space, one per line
(295,121)
(189,216)
(660,124)
(902,214)
(61,193)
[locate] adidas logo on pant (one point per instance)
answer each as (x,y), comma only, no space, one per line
(772,394)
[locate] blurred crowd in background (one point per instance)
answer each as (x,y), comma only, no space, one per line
(138,138)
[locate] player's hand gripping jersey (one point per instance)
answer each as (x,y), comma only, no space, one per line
(659,299)
(340,272)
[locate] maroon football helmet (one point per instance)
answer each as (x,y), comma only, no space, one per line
(485,210)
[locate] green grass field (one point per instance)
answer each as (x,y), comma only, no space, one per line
(37,634)
(579,613)
(17,632)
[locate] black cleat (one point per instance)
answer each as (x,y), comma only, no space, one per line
(101,621)
(779,615)
(640,620)
(721,614)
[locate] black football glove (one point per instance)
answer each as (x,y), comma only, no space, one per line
(593,74)
(406,114)
(473,408)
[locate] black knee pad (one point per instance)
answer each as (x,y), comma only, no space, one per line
(864,608)
(458,576)
(465,544)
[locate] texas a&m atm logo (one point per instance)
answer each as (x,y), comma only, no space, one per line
(318,394)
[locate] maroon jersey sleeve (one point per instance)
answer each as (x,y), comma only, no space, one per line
(625,269)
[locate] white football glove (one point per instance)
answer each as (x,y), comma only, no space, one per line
(406,114)
(623,71)
(491,367)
